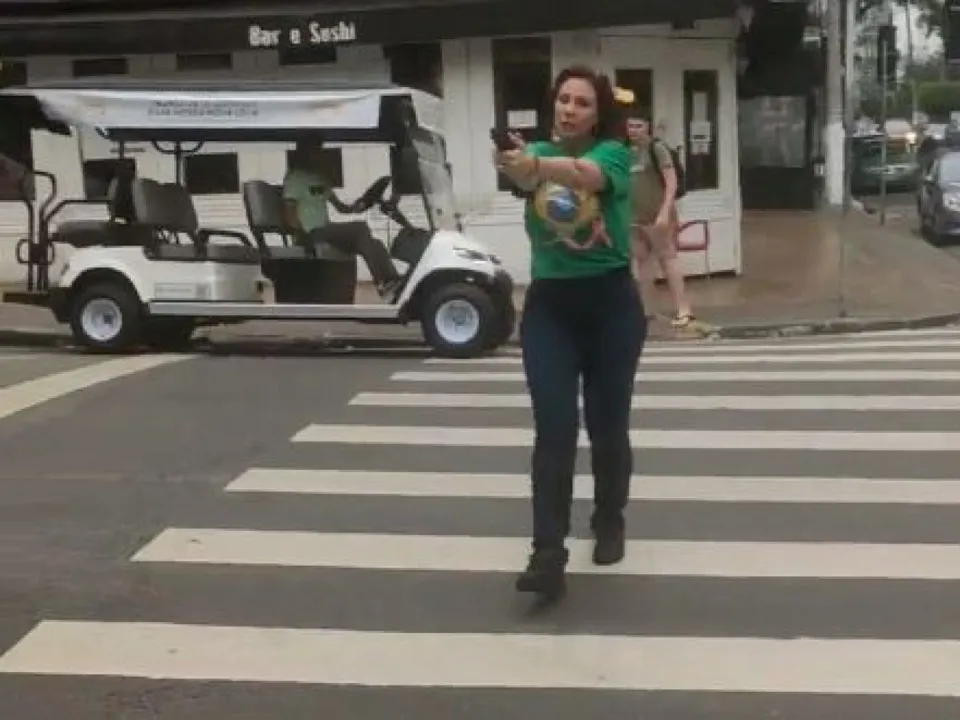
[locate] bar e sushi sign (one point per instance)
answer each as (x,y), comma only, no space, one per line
(304,35)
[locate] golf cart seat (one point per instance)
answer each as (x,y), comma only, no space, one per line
(168,209)
(328,276)
(120,230)
(264,206)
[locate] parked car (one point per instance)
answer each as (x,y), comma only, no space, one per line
(938,199)
(901,171)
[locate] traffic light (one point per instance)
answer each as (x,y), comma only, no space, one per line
(887,53)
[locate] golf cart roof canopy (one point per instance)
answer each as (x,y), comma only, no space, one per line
(225,109)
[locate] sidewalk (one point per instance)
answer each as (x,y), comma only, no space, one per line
(790,285)
(791,279)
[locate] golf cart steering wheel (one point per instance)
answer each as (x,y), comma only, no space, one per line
(372,195)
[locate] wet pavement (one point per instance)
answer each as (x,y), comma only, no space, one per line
(815,267)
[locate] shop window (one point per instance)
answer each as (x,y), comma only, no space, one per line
(332,165)
(204,62)
(522,76)
(700,135)
(773,131)
(15,140)
(640,81)
(211,173)
(417,65)
(307,55)
(98,67)
(98,174)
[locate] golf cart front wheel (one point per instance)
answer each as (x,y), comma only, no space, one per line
(106,317)
(506,324)
(458,320)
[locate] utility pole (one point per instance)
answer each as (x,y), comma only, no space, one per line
(849,78)
(883,128)
(886,50)
(834,135)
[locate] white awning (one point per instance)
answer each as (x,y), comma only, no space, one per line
(190,108)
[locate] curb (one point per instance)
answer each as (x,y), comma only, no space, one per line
(42,338)
(836,326)
(33,337)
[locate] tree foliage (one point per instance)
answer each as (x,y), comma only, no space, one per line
(928,13)
(939,99)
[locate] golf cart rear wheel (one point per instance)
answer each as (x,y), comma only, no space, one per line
(106,317)
(459,320)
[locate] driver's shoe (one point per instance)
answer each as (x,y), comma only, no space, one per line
(388,288)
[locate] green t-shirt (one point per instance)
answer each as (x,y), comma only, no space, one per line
(575,234)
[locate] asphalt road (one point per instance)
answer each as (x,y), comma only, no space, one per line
(237,537)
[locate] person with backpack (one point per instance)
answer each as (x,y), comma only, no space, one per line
(657,183)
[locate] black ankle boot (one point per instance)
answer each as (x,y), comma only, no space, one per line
(545,573)
(610,545)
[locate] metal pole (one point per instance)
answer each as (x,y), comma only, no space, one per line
(883,125)
(850,22)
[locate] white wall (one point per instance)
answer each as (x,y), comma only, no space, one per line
(492,216)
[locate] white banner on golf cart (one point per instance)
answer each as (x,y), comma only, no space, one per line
(131,109)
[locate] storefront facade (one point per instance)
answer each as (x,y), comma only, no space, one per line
(687,78)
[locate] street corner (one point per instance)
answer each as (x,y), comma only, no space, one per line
(833,326)
(31,377)
(33,338)
(661,328)
(22,367)
(30,327)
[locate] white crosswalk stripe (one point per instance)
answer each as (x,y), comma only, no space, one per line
(901,403)
(513,377)
(645,487)
(778,540)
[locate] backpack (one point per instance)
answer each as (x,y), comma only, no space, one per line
(677,166)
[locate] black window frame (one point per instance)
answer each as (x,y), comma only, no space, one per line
(204,62)
(193,164)
(100,67)
(332,163)
(298,55)
(522,54)
(702,171)
(104,171)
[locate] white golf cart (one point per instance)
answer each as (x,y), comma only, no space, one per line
(150,275)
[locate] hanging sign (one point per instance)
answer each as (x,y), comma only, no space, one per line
(304,35)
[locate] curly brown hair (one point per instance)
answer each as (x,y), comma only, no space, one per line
(611,123)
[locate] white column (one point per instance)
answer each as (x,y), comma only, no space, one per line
(834,135)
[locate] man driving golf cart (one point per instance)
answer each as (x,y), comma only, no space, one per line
(307,194)
(155,266)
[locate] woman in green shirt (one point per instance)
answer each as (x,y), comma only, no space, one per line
(583,318)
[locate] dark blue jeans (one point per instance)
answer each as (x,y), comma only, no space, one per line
(590,329)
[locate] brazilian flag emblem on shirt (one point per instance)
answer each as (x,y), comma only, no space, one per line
(573,215)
